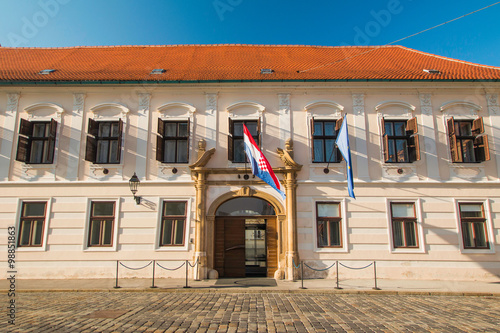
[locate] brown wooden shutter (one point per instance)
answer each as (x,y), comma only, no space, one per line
(160,148)
(312,138)
(481,148)
(91,149)
(52,140)
(411,126)
(455,157)
(338,124)
(385,141)
(414,148)
(477,126)
(161,127)
(120,136)
(188,139)
(23,149)
(230,141)
(26,128)
(259,133)
(93,128)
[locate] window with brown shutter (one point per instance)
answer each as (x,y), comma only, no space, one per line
(236,148)
(400,141)
(172,141)
(104,142)
(37,141)
(468,143)
(323,136)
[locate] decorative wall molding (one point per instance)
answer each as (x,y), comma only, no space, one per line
(211,102)
(472,107)
(284,103)
(12,102)
(409,108)
(144,100)
(233,108)
(109,106)
(78,102)
(492,102)
(425,103)
(358,103)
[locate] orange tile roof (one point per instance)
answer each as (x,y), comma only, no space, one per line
(233,62)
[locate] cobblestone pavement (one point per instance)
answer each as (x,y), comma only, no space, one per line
(251,312)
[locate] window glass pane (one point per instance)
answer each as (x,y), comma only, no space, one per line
(398,233)
(179,232)
(465,128)
(411,237)
(102,151)
(25,233)
(399,128)
(402,210)
(167,232)
(388,128)
(103,208)
(33,209)
(318,128)
(330,128)
(37,232)
(330,148)
(174,208)
(392,151)
(322,234)
(183,129)
(182,151)
(104,130)
(335,233)
(169,151)
(114,155)
(95,230)
(36,153)
(238,129)
(319,155)
(107,230)
(115,130)
(39,130)
(171,129)
(46,153)
(480,234)
(402,150)
(239,151)
(328,210)
(471,210)
(252,127)
(468,151)
(468,235)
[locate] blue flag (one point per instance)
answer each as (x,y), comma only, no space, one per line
(342,143)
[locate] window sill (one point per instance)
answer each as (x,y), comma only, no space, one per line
(407,250)
(477,251)
(30,249)
(331,250)
(100,249)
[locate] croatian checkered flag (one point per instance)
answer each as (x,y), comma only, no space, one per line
(260,165)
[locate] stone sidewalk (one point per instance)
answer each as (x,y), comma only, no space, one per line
(262,284)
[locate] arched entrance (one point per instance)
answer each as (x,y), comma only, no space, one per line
(246,238)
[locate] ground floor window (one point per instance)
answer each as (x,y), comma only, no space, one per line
(328,224)
(173,223)
(102,220)
(32,223)
(473,224)
(404,225)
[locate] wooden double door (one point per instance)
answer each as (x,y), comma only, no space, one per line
(246,246)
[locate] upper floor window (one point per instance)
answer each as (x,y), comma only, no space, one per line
(473,224)
(401,143)
(32,222)
(328,224)
(404,225)
(104,142)
(173,223)
(102,219)
(324,134)
(468,143)
(172,142)
(236,148)
(37,142)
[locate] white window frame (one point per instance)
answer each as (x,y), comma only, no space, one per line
(489,226)
(48,210)
(343,225)
(187,227)
(420,230)
(116,226)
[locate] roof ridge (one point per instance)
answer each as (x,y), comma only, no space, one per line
(448,58)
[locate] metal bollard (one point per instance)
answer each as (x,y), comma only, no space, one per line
(375,275)
(153,282)
(116,282)
(302,274)
(186,286)
(337,264)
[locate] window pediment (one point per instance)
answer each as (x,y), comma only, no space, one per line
(44,111)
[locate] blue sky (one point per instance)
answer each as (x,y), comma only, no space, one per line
(56,23)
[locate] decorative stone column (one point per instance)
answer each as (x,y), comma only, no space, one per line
(200,251)
(9,128)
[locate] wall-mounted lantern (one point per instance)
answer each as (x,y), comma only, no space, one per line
(134,185)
